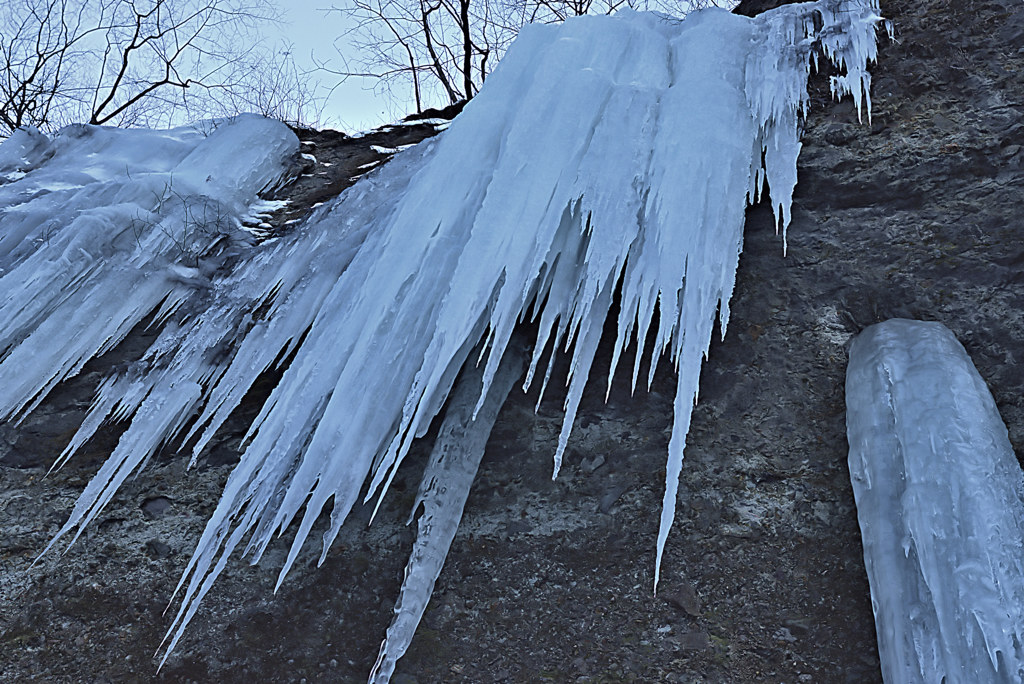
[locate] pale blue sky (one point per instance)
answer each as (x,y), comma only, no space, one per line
(353,105)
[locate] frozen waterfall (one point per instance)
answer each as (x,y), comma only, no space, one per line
(606,158)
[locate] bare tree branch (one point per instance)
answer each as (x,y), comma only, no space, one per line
(142,62)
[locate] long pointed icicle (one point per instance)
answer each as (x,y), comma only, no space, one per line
(443,492)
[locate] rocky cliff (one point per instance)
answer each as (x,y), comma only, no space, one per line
(916,214)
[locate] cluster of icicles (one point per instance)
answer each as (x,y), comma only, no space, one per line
(606,157)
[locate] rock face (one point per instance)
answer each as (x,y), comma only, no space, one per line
(915,215)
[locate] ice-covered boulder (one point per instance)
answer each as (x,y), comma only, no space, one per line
(940,500)
(100,227)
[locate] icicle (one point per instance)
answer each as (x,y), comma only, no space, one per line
(443,492)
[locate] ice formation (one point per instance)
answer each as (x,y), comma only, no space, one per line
(606,157)
(940,500)
(447,479)
(100,211)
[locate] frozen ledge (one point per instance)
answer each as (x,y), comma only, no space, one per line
(940,502)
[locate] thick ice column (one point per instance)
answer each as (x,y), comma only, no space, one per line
(940,500)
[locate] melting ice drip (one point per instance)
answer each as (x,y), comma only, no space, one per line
(607,150)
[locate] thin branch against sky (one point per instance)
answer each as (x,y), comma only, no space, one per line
(153,63)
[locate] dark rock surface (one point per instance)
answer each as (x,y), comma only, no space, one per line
(916,215)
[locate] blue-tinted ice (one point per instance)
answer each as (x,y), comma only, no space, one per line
(940,499)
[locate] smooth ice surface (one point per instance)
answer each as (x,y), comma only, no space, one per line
(607,152)
(940,500)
